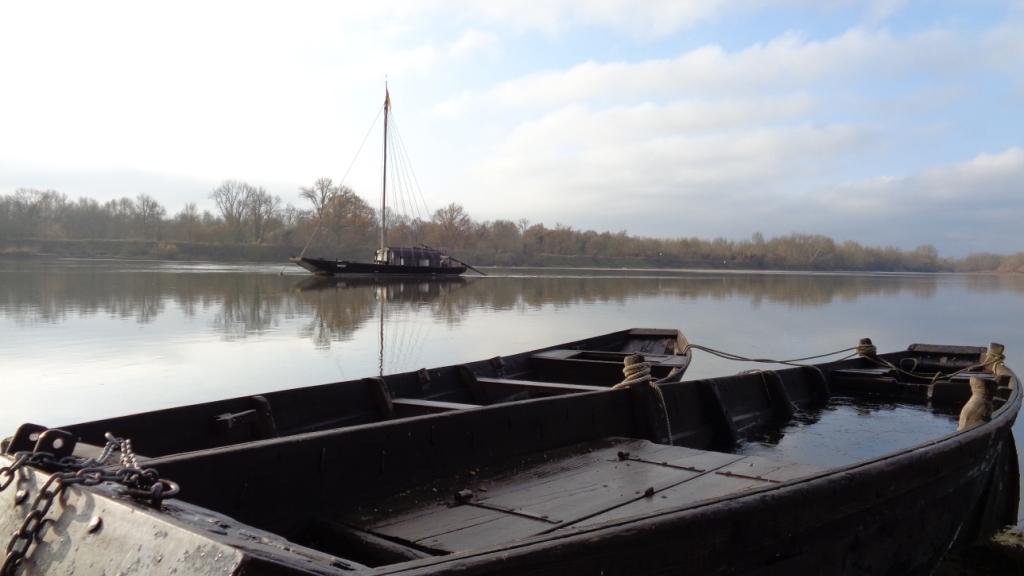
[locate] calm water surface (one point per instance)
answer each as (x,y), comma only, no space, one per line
(81,340)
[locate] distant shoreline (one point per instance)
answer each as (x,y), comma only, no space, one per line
(143,250)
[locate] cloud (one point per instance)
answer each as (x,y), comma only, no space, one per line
(882,10)
(986,182)
(787,62)
(473,42)
(650,169)
(651,18)
(971,206)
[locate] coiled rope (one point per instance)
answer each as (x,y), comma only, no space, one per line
(637,372)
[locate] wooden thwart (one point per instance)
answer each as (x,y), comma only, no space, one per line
(405,407)
(498,387)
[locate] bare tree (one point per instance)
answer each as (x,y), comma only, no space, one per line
(319,194)
(230,198)
(150,215)
(188,219)
(454,224)
(262,207)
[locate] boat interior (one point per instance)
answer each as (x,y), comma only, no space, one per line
(486,455)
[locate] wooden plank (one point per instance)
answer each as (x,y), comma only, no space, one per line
(741,474)
(946,349)
(496,388)
(363,547)
(582,485)
(405,407)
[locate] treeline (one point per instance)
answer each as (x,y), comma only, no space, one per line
(337,222)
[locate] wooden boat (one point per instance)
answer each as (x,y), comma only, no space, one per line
(536,463)
(419,260)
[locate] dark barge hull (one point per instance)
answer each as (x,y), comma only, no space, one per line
(325,267)
(896,514)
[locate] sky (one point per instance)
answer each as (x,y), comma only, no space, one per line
(888,122)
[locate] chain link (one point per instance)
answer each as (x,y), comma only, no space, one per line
(140,483)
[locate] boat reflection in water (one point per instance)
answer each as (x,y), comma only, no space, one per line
(332,295)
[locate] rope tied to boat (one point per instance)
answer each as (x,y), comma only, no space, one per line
(850,353)
(994,357)
(866,349)
(993,360)
(637,373)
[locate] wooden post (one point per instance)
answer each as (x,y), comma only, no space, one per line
(978,408)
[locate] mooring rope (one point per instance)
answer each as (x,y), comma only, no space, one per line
(868,352)
(789,362)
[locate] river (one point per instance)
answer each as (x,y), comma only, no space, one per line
(86,339)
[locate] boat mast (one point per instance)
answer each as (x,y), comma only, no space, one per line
(384,186)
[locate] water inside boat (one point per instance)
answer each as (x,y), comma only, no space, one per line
(850,430)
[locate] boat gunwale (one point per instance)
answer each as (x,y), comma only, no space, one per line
(601,339)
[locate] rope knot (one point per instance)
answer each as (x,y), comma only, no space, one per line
(636,371)
(866,349)
(994,356)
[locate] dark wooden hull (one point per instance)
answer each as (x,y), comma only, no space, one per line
(325,267)
(340,501)
(356,402)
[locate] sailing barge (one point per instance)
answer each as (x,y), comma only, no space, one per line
(539,463)
(389,261)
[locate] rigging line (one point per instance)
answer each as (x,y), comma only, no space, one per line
(416,186)
(409,176)
(320,214)
(409,207)
(401,163)
(414,209)
(400,185)
(404,166)
(416,181)
(396,193)
(396,177)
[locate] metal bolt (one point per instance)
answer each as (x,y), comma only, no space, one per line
(20,496)
(95,524)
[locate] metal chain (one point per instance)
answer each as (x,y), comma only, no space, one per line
(141,483)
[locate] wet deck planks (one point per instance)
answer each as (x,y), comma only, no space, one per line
(586,484)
